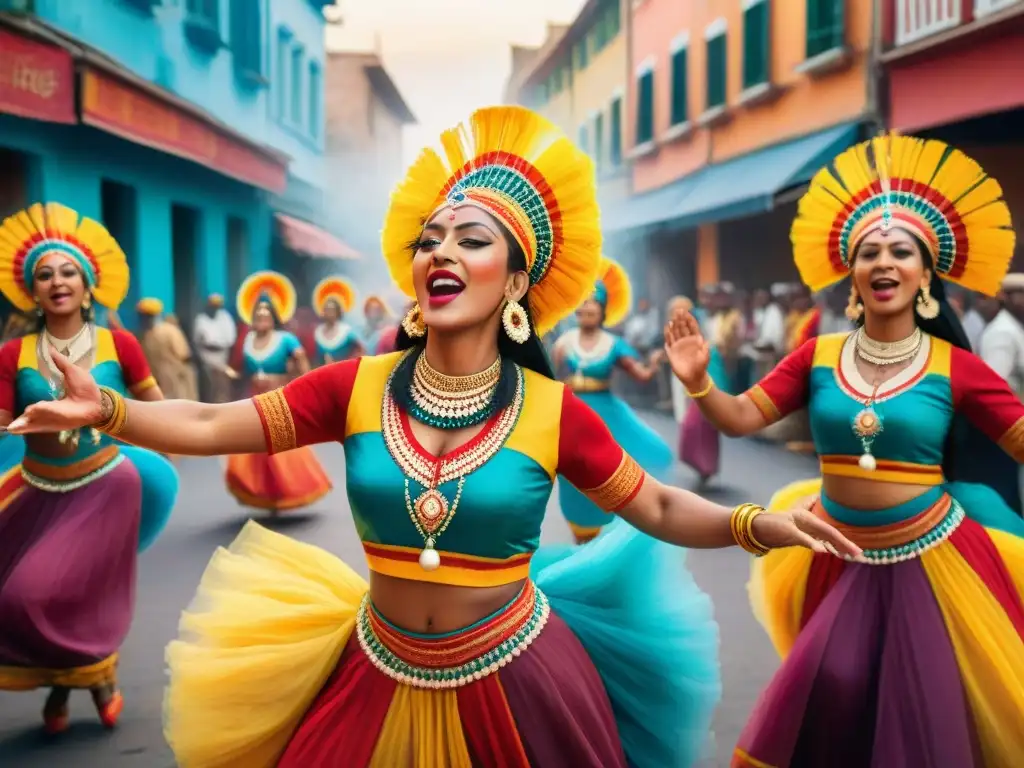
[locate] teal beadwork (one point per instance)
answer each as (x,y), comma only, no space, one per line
(451,422)
(918,546)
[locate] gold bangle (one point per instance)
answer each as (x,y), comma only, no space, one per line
(704,392)
(115,423)
(741,525)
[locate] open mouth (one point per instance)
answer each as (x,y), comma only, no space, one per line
(60,296)
(444,286)
(884,288)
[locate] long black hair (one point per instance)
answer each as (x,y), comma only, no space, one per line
(530,354)
(946,326)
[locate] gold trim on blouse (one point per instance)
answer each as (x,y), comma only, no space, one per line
(1012,440)
(615,492)
(277,415)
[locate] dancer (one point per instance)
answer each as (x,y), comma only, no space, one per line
(336,340)
(591,354)
(378,317)
(453,655)
(78,507)
(914,654)
(271,358)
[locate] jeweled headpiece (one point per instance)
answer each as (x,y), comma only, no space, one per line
(333,288)
(923,186)
(266,287)
(613,291)
(29,235)
(520,168)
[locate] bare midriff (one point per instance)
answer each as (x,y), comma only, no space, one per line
(269,381)
(49,445)
(869,495)
(418,606)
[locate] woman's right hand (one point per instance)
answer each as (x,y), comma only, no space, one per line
(687,351)
(81,406)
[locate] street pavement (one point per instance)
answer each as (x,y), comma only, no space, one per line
(206,517)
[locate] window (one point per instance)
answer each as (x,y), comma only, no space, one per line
(584,139)
(315,87)
(825,26)
(599,141)
(245,35)
(202,25)
(680,56)
(715,38)
(284,46)
(756,45)
(580,55)
(645,107)
(206,12)
(296,84)
(615,128)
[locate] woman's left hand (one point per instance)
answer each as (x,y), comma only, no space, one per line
(800,527)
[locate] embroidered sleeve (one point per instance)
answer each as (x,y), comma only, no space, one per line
(134,366)
(590,459)
(987,400)
(9,354)
(784,390)
(310,409)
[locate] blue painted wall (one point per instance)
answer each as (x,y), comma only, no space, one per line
(152,41)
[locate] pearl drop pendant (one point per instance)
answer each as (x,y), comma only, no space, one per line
(867,463)
(430,560)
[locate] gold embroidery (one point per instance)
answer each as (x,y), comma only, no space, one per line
(29,678)
(147,383)
(1012,440)
(764,404)
(617,490)
(278,417)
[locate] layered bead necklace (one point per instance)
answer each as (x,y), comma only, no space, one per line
(867,424)
(452,402)
(77,348)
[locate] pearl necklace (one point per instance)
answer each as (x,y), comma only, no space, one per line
(888,352)
(452,402)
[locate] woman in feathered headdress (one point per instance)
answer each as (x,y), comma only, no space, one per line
(912,654)
(377,317)
(460,651)
(591,354)
(270,358)
(336,340)
(80,505)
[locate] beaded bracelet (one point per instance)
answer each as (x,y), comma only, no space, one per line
(704,392)
(741,524)
(115,423)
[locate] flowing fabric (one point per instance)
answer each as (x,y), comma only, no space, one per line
(915,663)
(624,672)
(282,481)
(700,444)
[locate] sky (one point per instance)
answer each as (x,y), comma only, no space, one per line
(448,57)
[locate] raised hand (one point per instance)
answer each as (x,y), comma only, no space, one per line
(80,407)
(799,527)
(687,351)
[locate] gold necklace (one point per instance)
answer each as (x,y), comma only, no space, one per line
(456,385)
(452,402)
(888,352)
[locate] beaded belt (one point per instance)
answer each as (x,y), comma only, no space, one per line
(588,384)
(905,540)
(451,661)
(57,478)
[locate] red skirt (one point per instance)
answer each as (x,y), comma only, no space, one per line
(287,480)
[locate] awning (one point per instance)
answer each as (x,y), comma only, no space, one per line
(303,237)
(747,185)
(648,208)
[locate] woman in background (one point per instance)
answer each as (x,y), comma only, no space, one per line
(377,316)
(336,340)
(272,357)
(591,355)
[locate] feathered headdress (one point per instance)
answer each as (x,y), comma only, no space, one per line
(29,235)
(613,291)
(924,186)
(520,168)
(272,287)
(337,288)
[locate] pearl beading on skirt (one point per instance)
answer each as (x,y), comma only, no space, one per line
(66,486)
(917,547)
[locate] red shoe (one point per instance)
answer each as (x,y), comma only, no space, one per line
(111,711)
(56,722)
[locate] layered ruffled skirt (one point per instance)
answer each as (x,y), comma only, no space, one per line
(607,658)
(636,438)
(279,482)
(914,659)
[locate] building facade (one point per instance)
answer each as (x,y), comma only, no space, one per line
(952,71)
(732,105)
(182,124)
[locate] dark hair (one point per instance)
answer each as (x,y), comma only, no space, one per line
(946,326)
(530,355)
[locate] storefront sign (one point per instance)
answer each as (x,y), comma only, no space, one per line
(36,80)
(120,108)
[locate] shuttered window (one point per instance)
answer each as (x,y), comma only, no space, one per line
(645,107)
(756,43)
(598,148)
(680,114)
(826,26)
(716,70)
(615,129)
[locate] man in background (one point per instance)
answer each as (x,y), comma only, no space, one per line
(214,334)
(167,351)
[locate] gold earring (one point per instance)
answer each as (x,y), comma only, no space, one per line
(854,307)
(517,324)
(413,323)
(86,301)
(927,306)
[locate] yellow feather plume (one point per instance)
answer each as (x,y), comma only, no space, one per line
(620,292)
(337,288)
(512,138)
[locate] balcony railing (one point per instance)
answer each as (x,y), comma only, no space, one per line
(916,19)
(985,7)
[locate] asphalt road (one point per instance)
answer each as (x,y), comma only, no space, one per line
(206,517)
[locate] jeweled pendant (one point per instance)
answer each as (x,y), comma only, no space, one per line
(867,424)
(431,508)
(430,560)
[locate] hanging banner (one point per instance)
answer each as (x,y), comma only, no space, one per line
(36,79)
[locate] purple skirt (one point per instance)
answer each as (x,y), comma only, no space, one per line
(67,579)
(699,443)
